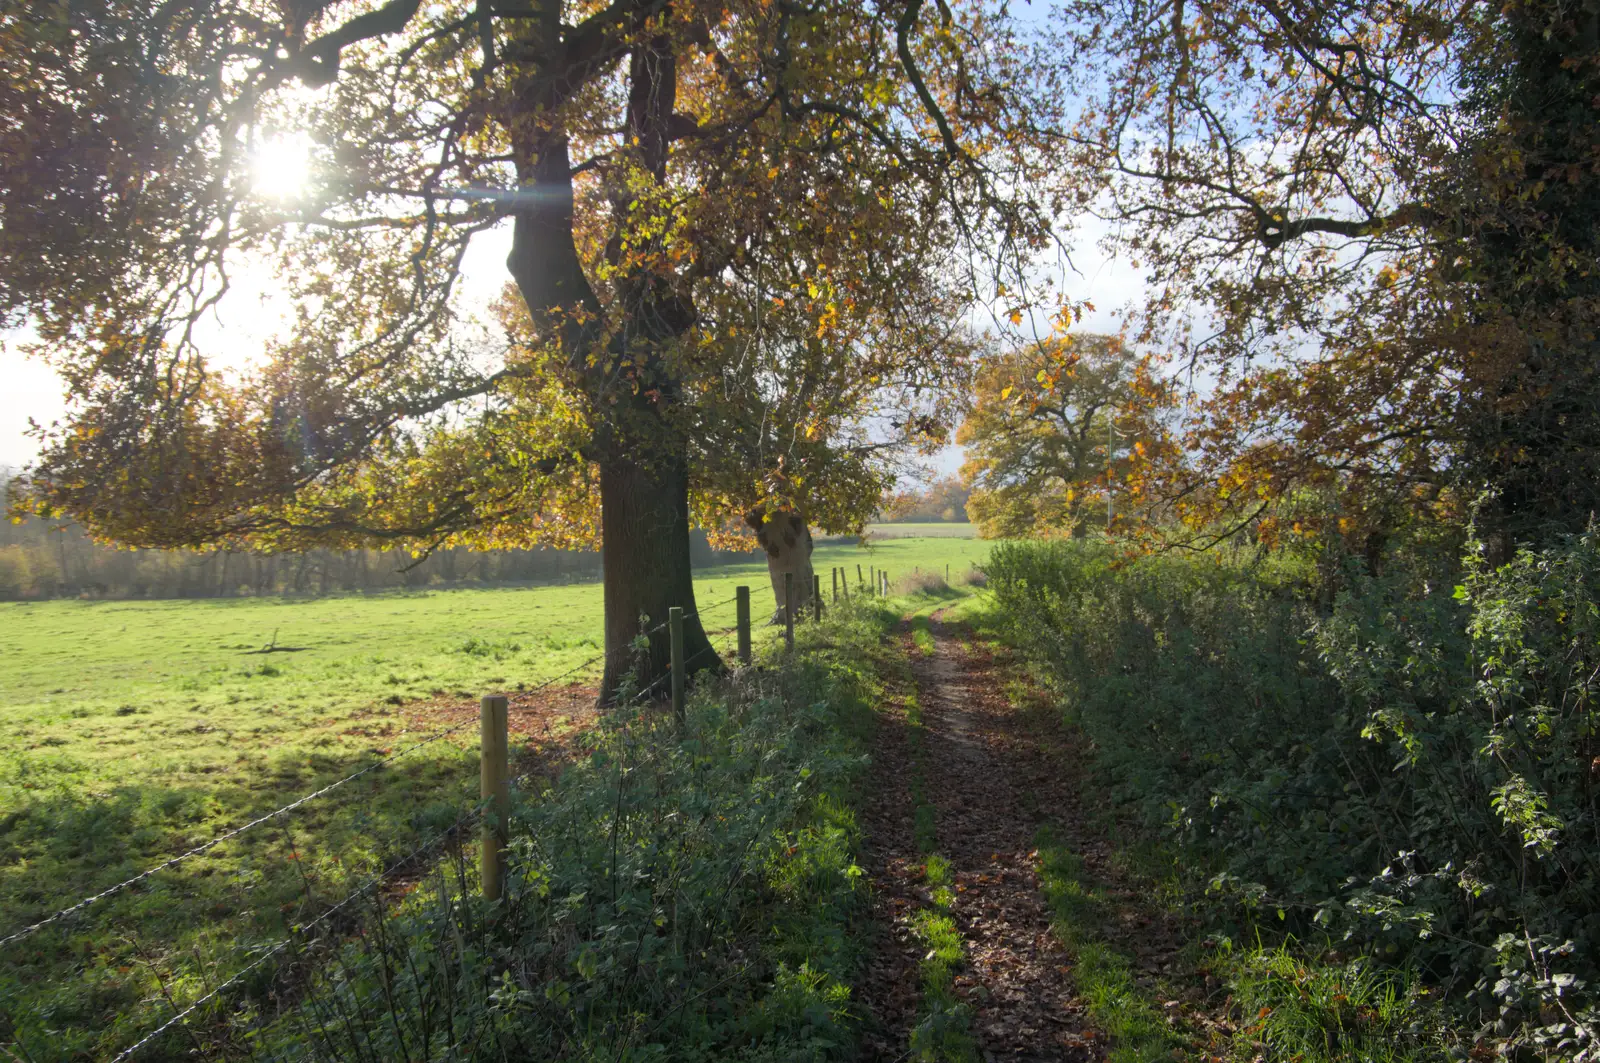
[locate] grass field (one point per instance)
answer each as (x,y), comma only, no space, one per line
(924,530)
(132,731)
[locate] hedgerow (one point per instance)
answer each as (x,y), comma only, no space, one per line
(1409,773)
(677,895)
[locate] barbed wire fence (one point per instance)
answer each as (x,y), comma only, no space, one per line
(302,934)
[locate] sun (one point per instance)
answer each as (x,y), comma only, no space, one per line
(280,168)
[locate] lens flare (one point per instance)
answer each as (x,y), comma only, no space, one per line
(281,167)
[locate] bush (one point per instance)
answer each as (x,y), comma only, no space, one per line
(1411,771)
(675,896)
(924,583)
(16,574)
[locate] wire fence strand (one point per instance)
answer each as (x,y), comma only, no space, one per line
(129,1052)
(381,876)
(234,833)
(91,900)
(182,1016)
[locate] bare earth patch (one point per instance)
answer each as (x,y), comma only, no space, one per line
(542,724)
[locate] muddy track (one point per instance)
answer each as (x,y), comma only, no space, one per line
(990,788)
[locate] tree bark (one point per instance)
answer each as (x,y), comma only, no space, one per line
(644,524)
(644,466)
(787,541)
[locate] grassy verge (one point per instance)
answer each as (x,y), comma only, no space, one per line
(1276,997)
(675,896)
(1291,1001)
(1105,978)
(943,1033)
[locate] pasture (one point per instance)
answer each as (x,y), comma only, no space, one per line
(133,731)
(922,530)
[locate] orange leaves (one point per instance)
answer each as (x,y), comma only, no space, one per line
(1053,425)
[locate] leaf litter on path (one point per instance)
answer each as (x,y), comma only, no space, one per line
(1016,980)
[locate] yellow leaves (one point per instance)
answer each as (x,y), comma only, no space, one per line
(1016,317)
(829,318)
(880,93)
(1005,392)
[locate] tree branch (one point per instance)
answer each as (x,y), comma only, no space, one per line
(318,63)
(902,34)
(1274,231)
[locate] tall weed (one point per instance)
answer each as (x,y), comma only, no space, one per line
(676,896)
(1411,770)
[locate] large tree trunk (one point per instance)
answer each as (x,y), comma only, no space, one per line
(644,468)
(644,522)
(787,541)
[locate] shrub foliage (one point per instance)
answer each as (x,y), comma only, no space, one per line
(1411,770)
(677,895)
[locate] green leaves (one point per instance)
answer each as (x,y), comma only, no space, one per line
(1411,778)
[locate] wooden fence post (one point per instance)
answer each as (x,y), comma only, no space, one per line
(834,573)
(816,598)
(742,604)
(859,581)
(675,630)
(788,610)
(873,572)
(495,787)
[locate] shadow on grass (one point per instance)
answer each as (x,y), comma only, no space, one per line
(84,985)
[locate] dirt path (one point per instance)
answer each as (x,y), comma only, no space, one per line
(990,788)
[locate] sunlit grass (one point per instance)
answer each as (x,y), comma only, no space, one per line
(131,731)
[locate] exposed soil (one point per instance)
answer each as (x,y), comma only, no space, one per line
(542,728)
(542,725)
(991,785)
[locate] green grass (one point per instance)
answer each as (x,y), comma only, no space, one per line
(1287,1003)
(1295,1003)
(1119,1005)
(131,731)
(903,557)
(923,529)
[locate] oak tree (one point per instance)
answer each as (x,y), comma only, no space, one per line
(1371,228)
(1042,440)
(945,499)
(671,172)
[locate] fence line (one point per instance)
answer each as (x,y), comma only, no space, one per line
(129,1052)
(234,833)
(377,879)
(291,806)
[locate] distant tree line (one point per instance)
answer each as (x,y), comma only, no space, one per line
(943,500)
(44,559)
